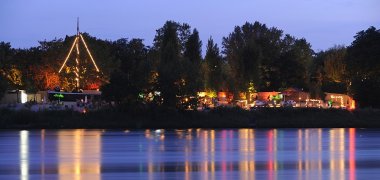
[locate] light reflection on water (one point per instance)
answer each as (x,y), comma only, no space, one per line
(24,154)
(79,153)
(191,154)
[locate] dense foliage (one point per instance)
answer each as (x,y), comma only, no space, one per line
(363,65)
(253,57)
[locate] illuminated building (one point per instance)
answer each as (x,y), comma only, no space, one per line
(340,101)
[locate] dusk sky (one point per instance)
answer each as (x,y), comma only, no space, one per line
(323,23)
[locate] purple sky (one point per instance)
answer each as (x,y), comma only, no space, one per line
(324,23)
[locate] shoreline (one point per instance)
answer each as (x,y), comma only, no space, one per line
(164,118)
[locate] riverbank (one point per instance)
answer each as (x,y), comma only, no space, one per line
(172,119)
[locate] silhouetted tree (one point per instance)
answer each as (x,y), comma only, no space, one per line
(329,70)
(364,67)
(3,86)
(244,55)
(214,65)
(169,79)
(192,64)
(6,64)
(295,64)
(261,56)
(130,79)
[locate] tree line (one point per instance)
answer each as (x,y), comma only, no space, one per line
(253,57)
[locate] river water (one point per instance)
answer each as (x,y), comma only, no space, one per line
(190,154)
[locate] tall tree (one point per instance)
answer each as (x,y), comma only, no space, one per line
(364,67)
(295,63)
(329,69)
(251,51)
(334,64)
(232,46)
(3,86)
(213,60)
(192,62)
(6,58)
(169,78)
(244,54)
(130,79)
(178,55)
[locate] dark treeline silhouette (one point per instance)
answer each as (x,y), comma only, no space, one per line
(253,57)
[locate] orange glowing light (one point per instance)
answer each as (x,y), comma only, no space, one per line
(340,98)
(352,160)
(93,86)
(353,105)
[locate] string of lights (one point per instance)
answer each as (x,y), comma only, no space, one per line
(75,44)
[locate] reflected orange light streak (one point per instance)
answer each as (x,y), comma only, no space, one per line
(309,153)
(79,157)
(43,152)
(320,153)
(299,148)
(352,159)
(337,137)
(341,152)
(332,153)
(188,165)
(247,153)
(272,159)
(212,154)
(223,153)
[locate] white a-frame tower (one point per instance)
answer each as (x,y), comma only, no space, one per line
(78,38)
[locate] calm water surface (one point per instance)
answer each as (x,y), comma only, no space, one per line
(191,154)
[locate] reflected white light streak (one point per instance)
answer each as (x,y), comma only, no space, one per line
(24,155)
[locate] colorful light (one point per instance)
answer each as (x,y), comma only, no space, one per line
(58,95)
(353,106)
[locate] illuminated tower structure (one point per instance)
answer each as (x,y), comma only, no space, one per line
(78,67)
